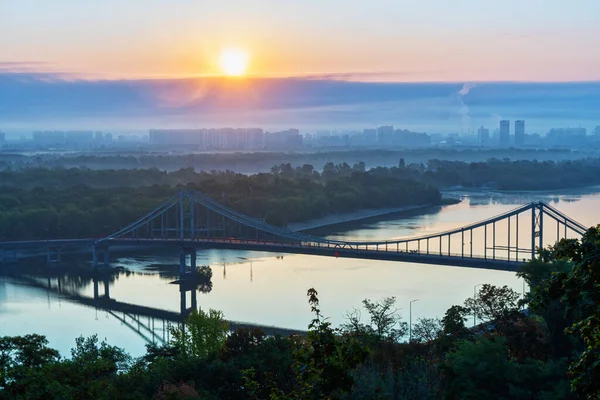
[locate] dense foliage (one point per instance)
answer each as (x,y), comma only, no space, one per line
(40,203)
(548,352)
(164,158)
(501,174)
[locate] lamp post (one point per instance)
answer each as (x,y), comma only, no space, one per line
(474,296)
(410,320)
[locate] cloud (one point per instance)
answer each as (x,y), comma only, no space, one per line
(47,101)
(22,66)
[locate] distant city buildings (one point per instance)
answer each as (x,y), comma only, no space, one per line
(227,138)
(519,133)
(483,136)
(69,138)
(290,139)
(504,138)
(385,135)
(566,136)
(251,139)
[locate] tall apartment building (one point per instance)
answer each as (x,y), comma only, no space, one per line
(210,139)
(504,133)
(483,136)
(385,135)
(519,133)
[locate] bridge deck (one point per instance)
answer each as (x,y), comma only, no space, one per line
(331,251)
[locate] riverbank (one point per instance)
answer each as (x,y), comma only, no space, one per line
(358,215)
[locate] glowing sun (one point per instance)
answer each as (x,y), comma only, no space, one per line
(234,62)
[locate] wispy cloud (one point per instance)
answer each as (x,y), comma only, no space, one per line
(51,100)
(22,66)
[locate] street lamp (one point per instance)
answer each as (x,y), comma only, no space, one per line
(410,320)
(474,297)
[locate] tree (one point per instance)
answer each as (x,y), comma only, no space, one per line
(325,362)
(483,369)
(453,323)
(493,303)
(19,354)
(427,330)
(478,370)
(385,319)
(202,333)
(579,290)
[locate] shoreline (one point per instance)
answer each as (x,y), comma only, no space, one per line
(358,215)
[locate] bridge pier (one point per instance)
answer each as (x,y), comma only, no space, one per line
(53,255)
(183,289)
(106,285)
(102,252)
(183,268)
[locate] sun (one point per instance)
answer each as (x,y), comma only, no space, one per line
(234,62)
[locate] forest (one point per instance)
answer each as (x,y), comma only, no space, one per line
(541,346)
(254,162)
(80,202)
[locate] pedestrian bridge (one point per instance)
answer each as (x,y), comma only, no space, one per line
(192,221)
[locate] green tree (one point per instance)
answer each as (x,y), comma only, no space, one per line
(325,361)
(21,354)
(579,290)
(493,303)
(202,333)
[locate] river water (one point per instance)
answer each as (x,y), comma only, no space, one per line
(264,288)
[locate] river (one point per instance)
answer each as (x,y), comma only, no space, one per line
(266,288)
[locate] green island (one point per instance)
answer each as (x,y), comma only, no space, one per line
(545,346)
(42,203)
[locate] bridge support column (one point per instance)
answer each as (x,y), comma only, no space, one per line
(183,300)
(53,255)
(98,252)
(185,251)
(106,284)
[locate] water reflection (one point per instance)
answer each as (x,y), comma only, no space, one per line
(71,282)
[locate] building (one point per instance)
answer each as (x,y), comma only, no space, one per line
(597,131)
(79,137)
(49,138)
(2,137)
(566,136)
(519,133)
(483,136)
(290,139)
(404,137)
(385,135)
(504,133)
(209,139)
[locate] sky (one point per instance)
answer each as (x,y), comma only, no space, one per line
(430,65)
(398,40)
